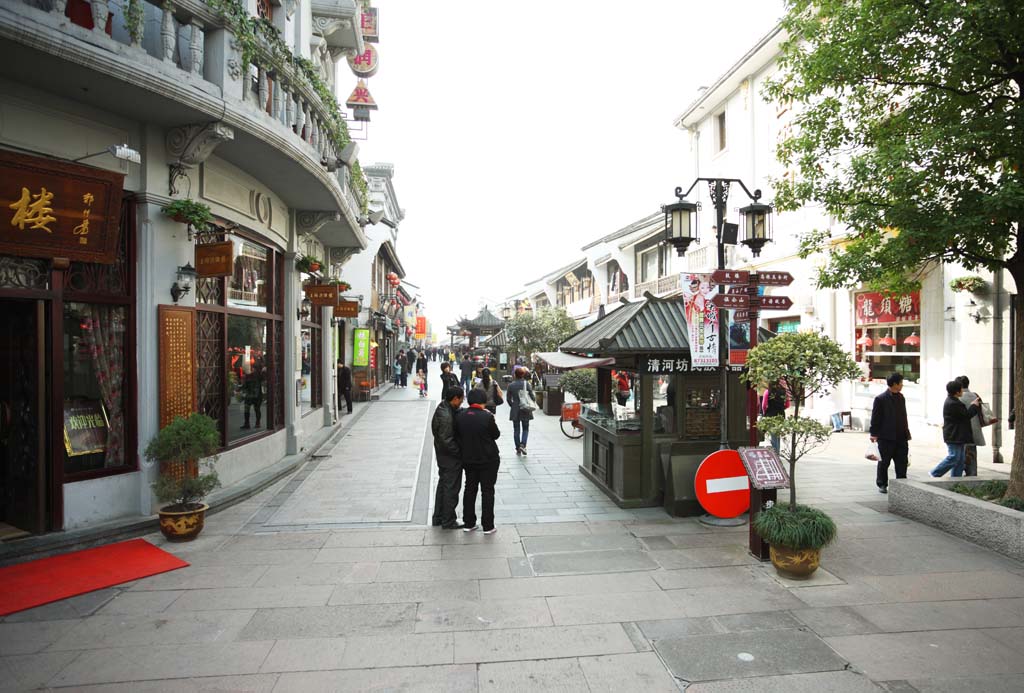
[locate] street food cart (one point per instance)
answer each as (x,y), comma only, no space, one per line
(645,453)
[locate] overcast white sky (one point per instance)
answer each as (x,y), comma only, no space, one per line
(521,131)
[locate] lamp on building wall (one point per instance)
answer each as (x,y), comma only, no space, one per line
(681,222)
(186,275)
(912,340)
(757,224)
(122,152)
(887,341)
(866,341)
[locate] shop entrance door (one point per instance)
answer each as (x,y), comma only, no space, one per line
(23,429)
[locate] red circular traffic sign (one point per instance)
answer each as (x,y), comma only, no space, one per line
(722,486)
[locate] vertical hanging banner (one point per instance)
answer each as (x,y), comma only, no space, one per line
(361,347)
(421,327)
(701,318)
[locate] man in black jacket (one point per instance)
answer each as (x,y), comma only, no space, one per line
(448,379)
(449,460)
(344,386)
(466,367)
(477,431)
(956,429)
(890,430)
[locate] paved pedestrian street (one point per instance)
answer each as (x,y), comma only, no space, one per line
(333,580)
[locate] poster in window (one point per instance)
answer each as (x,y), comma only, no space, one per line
(85,427)
(361,347)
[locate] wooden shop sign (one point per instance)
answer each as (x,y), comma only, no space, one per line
(85,427)
(764,468)
(215,259)
(346,309)
(177,358)
(322,294)
(58,209)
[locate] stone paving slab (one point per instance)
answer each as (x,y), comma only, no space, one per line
(491,614)
(203,577)
(536,676)
(101,631)
(29,672)
(950,615)
(733,599)
(940,586)
(318,574)
(555,586)
(641,671)
(928,654)
(1011,683)
(324,654)
(451,569)
(609,608)
(251,683)
(579,562)
(747,655)
(28,637)
(540,643)
(405,592)
(451,679)
(833,682)
(835,620)
(330,621)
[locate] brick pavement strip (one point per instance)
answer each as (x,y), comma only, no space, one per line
(324,582)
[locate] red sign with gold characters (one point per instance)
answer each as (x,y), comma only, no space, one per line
(882,308)
(58,209)
(421,327)
(322,294)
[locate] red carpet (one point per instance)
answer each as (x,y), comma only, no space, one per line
(46,580)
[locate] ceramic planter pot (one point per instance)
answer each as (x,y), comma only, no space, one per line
(314,267)
(795,564)
(180,218)
(182,525)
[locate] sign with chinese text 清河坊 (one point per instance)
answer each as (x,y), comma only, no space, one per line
(421,327)
(701,318)
(346,309)
(882,308)
(85,427)
(361,347)
(59,209)
(215,259)
(322,294)
(669,364)
(177,357)
(764,468)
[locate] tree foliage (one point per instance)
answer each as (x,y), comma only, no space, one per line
(907,127)
(581,384)
(806,363)
(539,330)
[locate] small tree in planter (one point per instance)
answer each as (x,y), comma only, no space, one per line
(179,443)
(807,364)
(581,384)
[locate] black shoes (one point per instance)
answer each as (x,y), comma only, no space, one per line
(883,489)
(453,525)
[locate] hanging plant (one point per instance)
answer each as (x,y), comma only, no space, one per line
(970,283)
(307,263)
(195,214)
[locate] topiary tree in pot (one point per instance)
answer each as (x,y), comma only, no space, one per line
(178,444)
(805,363)
(581,384)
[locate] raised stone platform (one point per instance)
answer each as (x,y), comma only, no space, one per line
(981,522)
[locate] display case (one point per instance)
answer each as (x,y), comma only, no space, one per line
(612,418)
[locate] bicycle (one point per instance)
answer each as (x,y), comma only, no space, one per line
(571,416)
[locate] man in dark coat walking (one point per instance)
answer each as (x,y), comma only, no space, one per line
(477,431)
(344,385)
(449,460)
(889,428)
(956,429)
(466,367)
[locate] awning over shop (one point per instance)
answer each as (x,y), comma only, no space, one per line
(558,359)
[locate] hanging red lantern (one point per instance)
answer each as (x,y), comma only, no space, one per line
(865,341)
(887,341)
(912,340)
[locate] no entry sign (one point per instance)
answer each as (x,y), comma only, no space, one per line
(722,485)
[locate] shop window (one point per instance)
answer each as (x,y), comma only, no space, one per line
(249,287)
(247,377)
(95,419)
(311,375)
(886,350)
(701,413)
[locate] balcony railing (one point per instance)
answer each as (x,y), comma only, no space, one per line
(190,38)
(659,287)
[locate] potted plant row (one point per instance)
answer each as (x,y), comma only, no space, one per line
(178,445)
(195,214)
(805,364)
(307,263)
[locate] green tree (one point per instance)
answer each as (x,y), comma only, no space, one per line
(908,128)
(807,364)
(540,330)
(581,384)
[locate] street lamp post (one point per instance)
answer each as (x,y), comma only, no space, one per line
(681,230)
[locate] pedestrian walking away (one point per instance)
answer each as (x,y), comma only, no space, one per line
(397,370)
(421,367)
(403,361)
(449,461)
(477,432)
(956,429)
(977,430)
(410,359)
(491,390)
(448,379)
(775,402)
(344,386)
(521,406)
(889,428)
(466,372)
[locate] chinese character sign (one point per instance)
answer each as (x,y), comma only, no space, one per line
(421,327)
(663,364)
(58,209)
(877,308)
(701,318)
(361,347)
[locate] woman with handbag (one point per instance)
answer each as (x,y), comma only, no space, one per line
(494,398)
(521,407)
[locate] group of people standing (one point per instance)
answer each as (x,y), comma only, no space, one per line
(962,425)
(465,441)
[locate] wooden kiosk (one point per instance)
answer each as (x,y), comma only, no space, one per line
(645,453)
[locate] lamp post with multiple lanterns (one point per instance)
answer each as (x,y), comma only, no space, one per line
(681,231)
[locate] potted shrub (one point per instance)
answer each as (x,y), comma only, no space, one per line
(970,284)
(179,444)
(307,263)
(581,384)
(806,363)
(195,214)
